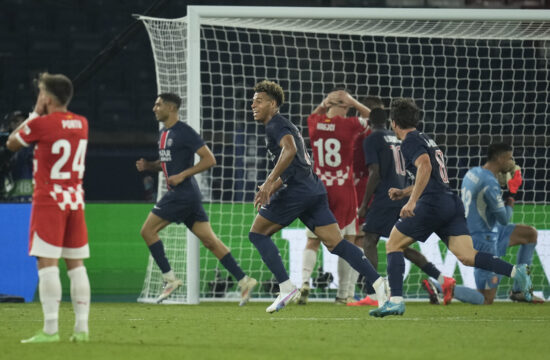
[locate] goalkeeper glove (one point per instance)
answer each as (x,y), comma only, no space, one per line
(515,182)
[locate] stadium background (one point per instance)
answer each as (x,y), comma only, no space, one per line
(63,36)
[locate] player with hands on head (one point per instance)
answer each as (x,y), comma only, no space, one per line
(488,214)
(330,131)
(178,145)
(431,208)
(290,191)
(57,226)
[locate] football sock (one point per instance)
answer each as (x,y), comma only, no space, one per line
(356,259)
(525,256)
(228,261)
(80,297)
(270,255)
(396,299)
(286,286)
(489,262)
(344,270)
(431,270)
(353,276)
(396,268)
(309,257)
(49,286)
(468,295)
(157,251)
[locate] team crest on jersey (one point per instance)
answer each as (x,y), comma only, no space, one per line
(169,142)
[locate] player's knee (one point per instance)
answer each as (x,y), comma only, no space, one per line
(210,243)
(532,235)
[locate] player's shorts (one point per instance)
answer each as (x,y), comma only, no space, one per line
(348,230)
(381,219)
(56,233)
(494,243)
(176,208)
(442,214)
(287,205)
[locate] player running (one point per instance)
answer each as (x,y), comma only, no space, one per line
(432,207)
(331,135)
(178,145)
(57,227)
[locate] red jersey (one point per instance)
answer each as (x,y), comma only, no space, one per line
(332,143)
(61,140)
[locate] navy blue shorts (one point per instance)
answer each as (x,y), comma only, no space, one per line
(442,214)
(178,209)
(285,206)
(381,219)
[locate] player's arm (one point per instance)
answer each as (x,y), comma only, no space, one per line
(363,110)
(145,165)
(14,143)
(423,171)
(496,206)
(207,160)
(331,99)
(372,183)
(288,152)
(398,194)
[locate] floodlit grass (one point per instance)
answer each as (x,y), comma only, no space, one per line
(316,331)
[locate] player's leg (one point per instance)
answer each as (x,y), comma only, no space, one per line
(345,274)
(447,283)
(462,247)
(80,297)
(309,258)
(369,242)
(203,230)
(525,237)
(331,237)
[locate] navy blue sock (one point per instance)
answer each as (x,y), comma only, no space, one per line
(270,255)
(368,288)
(157,251)
(396,269)
(228,261)
(492,263)
(356,259)
(431,270)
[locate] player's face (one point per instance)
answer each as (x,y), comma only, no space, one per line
(506,161)
(263,107)
(161,110)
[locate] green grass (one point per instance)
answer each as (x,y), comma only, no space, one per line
(316,331)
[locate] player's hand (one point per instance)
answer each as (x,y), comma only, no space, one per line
(141,165)
(396,194)
(515,182)
(262,196)
(175,180)
(408,209)
(362,212)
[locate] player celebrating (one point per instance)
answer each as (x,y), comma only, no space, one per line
(330,132)
(182,202)
(431,207)
(290,191)
(488,218)
(57,227)
(387,170)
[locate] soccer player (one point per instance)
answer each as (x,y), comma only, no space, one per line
(432,207)
(290,191)
(57,226)
(488,218)
(182,202)
(382,151)
(330,131)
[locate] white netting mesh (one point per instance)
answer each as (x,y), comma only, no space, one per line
(477,82)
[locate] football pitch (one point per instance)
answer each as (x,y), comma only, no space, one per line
(316,331)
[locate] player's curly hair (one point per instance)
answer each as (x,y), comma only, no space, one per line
(58,85)
(405,113)
(272,89)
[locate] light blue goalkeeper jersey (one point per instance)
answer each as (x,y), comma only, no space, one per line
(482,200)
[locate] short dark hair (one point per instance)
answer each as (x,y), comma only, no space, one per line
(272,89)
(373,102)
(171,98)
(58,85)
(405,113)
(378,117)
(496,149)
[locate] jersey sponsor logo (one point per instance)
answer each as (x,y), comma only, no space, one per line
(326,127)
(71,124)
(165,155)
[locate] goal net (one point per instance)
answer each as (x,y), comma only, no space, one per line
(479,77)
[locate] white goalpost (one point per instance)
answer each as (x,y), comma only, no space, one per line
(479,76)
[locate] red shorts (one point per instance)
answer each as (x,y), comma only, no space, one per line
(343,204)
(56,233)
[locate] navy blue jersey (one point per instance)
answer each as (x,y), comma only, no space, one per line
(382,147)
(416,144)
(177,148)
(300,171)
